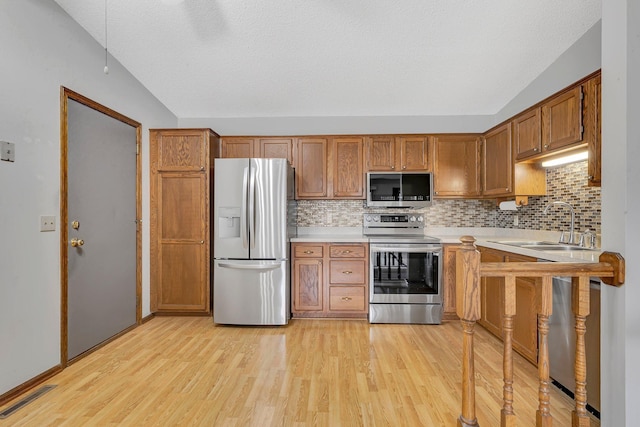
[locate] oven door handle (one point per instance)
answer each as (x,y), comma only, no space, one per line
(413,249)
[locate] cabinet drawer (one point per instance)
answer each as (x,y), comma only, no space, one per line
(347,271)
(347,251)
(308,251)
(347,298)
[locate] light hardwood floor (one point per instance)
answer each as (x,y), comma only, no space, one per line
(188,371)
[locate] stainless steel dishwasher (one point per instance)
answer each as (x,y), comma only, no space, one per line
(562,342)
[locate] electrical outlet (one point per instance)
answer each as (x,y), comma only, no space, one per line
(515,220)
(47,223)
(7,151)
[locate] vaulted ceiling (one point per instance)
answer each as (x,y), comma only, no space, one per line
(287,58)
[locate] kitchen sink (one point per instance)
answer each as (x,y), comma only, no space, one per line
(524,243)
(541,245)
(557,247)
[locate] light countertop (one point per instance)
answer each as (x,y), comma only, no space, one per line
(486,237)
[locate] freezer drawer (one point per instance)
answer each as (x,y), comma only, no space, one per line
(251,292)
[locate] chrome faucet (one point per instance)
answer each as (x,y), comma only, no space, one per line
(573,219)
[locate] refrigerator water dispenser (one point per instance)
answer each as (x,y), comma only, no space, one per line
(228,222)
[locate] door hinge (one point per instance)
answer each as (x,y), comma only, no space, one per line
(137,149)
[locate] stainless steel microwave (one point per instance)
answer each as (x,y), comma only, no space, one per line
(399,189)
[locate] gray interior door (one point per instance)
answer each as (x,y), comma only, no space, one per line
(101,205)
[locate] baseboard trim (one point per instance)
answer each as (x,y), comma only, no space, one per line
(147,318)
(32,383)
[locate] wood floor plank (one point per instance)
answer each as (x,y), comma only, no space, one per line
(188,371)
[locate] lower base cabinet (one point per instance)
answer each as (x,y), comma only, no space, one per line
(525,322)
(330,280)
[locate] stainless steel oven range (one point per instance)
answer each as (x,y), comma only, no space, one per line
(405,283)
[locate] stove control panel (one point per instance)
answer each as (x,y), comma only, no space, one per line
(394,220)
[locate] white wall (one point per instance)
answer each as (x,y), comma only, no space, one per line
(42,49)
(621,209)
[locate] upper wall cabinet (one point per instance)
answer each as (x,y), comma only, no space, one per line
(497,162)
(311,163)
(593,128)
(388,153)
(347,155)
(244,147)
(527,135)
(457,165)
(562,120)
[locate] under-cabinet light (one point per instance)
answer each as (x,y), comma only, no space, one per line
(566,159)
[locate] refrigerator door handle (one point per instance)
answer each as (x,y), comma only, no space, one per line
(244,216)
(262,267)
(252,208)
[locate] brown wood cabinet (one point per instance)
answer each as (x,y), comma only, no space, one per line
(525,323)
(456,165)
(450,253)
(347,154)
(593,129)
(181,162)
(497,162)
(330,280)
(312,155)
(403,153)
(261,147)
(562,120)
(492,295)
(527,134)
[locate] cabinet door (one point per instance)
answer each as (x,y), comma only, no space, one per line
(492,295)
(562,120)
(176,150)
(275,148)
(180,263)
(348,171)
(497,162)
(239,148)
(414,153)
(381,153)
(307,285)
(311,168)
(527,134)
(457,166)
(449,282)
(594,129)
(525,322)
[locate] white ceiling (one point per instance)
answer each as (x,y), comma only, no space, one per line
(287,58)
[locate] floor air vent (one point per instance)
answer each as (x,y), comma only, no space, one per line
(33,396)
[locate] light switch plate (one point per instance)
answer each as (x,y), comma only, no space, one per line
(7,151)
(47,223)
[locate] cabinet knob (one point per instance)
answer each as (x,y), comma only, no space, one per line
(590,177)
(347,272)
(346,298)
(346,252)
(535,149)
(202,242)
(393,167)
(546,145)
(202,168)
(308,252)
(404,167)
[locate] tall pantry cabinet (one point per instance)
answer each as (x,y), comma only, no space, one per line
(181,184)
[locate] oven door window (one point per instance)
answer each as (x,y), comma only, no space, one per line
(405,276)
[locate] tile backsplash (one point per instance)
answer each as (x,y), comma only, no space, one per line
(567,183)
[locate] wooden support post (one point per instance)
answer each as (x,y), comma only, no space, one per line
(580,305)
(468,310)
(507,416)
(543,414)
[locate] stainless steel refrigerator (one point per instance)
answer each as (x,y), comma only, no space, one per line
(254,219)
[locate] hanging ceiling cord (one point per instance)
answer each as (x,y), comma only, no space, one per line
(106,43)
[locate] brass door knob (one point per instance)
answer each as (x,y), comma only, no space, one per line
(76,242)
